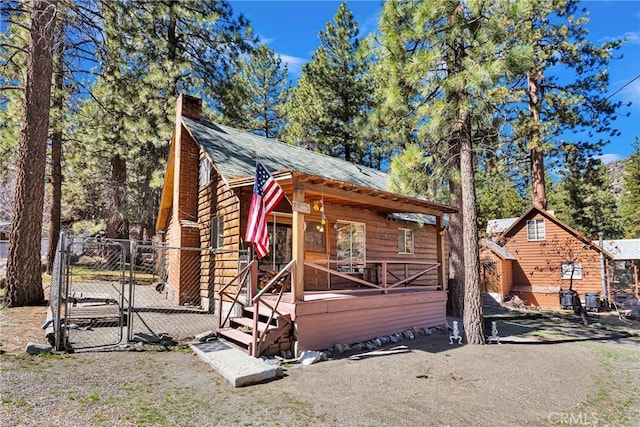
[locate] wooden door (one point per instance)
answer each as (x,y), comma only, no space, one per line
(490,277)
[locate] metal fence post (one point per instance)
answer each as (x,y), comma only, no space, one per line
(58,271)
(132,259)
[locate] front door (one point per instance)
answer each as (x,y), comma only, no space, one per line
(316,251)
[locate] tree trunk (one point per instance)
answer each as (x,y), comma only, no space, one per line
(538,191)
(117,225)
(56,148)
(24,268)
(473,317)
(456,262)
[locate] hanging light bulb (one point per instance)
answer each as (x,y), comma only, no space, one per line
(316,205)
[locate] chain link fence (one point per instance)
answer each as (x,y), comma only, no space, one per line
(106,293)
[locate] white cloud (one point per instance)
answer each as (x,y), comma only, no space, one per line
(264,40)
(633,37)
(294,63)
(610,158)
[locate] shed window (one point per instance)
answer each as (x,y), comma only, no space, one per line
(569,268)
(350,238)
(217,232)
(405,240)
(535,229)
(204,172)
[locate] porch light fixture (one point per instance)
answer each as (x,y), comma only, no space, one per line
(443,230)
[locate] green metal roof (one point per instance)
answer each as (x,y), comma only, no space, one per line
(234,154)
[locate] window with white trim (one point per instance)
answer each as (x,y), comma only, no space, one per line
(405,240)
(535,229)
(217,232)
(204,172)
(350,238)
(571,270)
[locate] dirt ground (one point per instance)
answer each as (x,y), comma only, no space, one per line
(549,370)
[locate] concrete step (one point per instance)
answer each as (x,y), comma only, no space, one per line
(236,366)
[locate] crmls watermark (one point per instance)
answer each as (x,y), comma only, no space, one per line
(573,419)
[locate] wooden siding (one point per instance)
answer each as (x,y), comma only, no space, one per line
(320,324)
(503,275)
(219,265)
(381,240)
(538,267)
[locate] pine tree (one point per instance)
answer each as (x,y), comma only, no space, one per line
(454,55)
(630,202)
(24,280)
(497,196)
(330,103)
(583,197)
(555,36)
(256,94)
(151,52)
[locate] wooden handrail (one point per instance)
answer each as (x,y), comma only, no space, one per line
(253,265)
(340,274)
(256,300)
(244,270)
(384,264)
(275,278)
(415,276)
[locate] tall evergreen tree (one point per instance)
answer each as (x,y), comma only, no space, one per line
(546,105)
(583,197)
(630,202)
(24,280)
(330,103)
(256,94)
(151,52)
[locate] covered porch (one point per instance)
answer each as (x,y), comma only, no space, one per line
(346,263)
(377,303)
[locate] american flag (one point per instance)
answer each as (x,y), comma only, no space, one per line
(266,195)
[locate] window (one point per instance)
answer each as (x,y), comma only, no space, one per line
(217,232)
(204,171)
(405,240)
(571,267)
(351,246)
(315,237)
(280,241)
(535,229)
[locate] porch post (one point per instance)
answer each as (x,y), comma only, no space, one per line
(298,246)
(440,234)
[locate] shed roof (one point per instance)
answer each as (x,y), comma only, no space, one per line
(622,249)
(497,226)
(497,249)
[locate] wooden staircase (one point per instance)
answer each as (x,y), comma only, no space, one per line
(273,332)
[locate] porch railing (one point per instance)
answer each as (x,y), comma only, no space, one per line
(250,270)
(257,337)
(383,266)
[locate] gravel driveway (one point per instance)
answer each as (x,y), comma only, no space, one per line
(550,370)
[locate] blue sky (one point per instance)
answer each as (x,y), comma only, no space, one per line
(291,29)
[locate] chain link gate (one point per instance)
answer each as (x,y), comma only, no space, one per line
(89,293)
(109,292)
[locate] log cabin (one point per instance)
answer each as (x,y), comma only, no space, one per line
(348,260)
(535,256)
